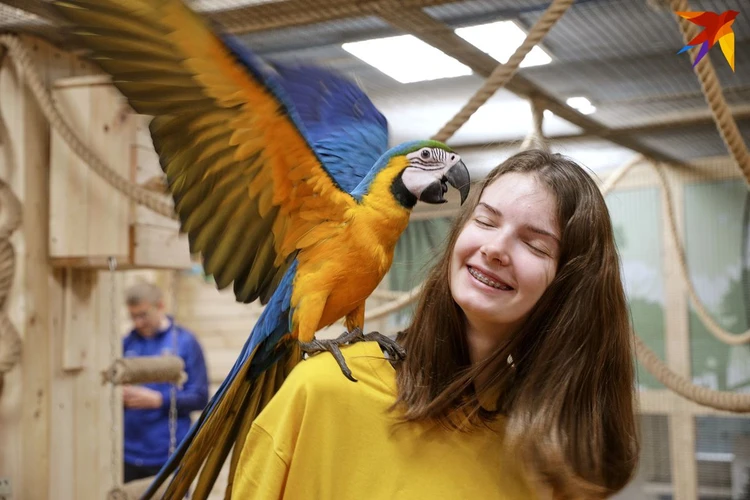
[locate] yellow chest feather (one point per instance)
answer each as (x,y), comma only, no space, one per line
(336,275)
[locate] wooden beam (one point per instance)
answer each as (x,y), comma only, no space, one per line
(31,7)
(441,36)
(668,123)
(252,18)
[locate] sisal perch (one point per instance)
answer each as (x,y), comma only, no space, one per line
(146,369)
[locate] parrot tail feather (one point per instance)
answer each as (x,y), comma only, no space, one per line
(226,425)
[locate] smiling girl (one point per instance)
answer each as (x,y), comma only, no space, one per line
(518,377)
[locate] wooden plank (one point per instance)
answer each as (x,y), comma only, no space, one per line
(110,136)
(89,217)
(155,246)
(78,326)
(32,161)
(62,437)
(101,262)
(677,338)
(69,186)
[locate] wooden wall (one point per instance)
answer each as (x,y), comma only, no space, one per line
(54,414)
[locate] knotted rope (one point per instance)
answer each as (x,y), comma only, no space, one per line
(10,340)
(25,67)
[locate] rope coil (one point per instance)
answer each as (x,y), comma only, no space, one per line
(146,369)
(10,340)
(25,67)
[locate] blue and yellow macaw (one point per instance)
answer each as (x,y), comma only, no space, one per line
(282,180)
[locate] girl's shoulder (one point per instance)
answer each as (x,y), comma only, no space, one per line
(321,373)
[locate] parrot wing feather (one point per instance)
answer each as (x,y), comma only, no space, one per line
(345,128)
(237,155)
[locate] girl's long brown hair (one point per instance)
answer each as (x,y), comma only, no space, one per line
(569,394)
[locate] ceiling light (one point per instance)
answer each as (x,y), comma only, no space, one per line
(582,104)
(407,59)
(500,40)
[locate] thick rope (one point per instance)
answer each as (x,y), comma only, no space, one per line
(535,138)
(711,87)
(10,340)
(705,317)
(25,67)
(720,400)
(503,73)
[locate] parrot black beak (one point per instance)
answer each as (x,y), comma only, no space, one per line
(458,177)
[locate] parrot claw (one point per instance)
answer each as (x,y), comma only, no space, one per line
(394,350)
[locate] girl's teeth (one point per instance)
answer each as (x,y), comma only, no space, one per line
(487,281)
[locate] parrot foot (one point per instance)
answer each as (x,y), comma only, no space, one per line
(332,346)
(394,350)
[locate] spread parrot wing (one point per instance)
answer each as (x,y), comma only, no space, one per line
(344,127)
(246,181)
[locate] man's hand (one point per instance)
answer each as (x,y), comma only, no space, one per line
(140,397)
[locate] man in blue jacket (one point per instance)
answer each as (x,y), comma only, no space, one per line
(146,420)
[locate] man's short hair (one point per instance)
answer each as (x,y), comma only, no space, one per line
(143,292)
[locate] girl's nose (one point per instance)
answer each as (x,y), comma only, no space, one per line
(496,249)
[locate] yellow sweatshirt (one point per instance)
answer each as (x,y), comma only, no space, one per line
(325,437)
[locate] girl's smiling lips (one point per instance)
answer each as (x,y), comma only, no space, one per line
(492,277)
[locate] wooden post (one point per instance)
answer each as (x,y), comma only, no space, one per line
(26,415)
(677,337)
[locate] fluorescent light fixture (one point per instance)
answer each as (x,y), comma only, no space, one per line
(582,104)
(407,59)
(500,40)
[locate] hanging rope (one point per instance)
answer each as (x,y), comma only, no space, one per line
(25,67)
(705,317)
(720,400)
(711,87)
(535,138)
(503,73)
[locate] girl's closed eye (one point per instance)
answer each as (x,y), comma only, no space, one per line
(483,222)
(539,248)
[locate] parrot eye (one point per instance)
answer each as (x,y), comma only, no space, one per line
(425,153)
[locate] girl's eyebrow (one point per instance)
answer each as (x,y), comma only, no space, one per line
(529,227)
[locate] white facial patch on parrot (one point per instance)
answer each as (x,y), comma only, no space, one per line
(426,166)
(416,179)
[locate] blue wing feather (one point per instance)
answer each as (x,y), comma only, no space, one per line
(341,124)
(345,129)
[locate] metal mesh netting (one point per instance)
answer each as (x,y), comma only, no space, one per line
(622,54)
